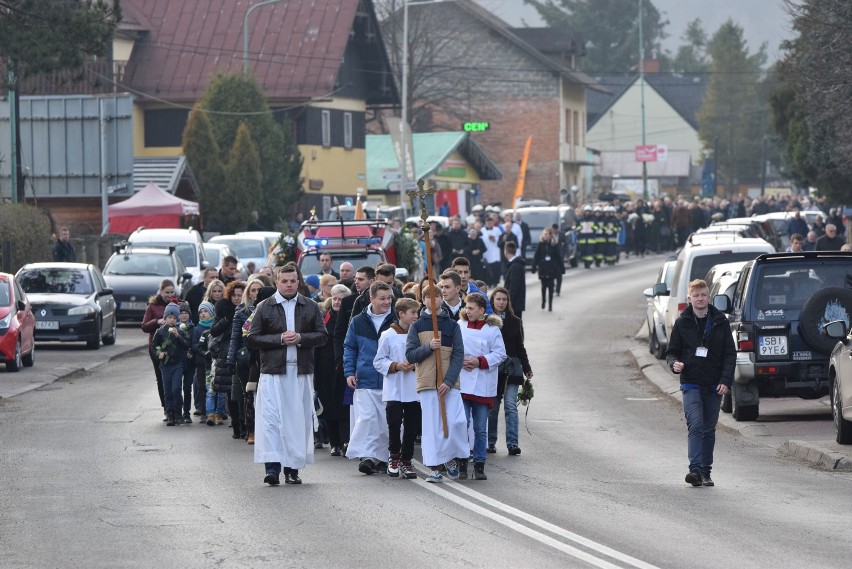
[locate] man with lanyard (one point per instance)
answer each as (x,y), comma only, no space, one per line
(285,328)
(702,351)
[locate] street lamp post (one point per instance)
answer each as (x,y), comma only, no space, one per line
(642,99)
(246,32)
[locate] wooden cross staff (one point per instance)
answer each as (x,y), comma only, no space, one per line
(421,193)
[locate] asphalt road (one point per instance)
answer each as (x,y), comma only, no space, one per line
(92,478)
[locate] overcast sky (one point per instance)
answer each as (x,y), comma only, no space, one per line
(762,20)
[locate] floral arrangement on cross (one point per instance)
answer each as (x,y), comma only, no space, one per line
(285,248)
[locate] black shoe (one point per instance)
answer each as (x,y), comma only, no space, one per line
(514,450)
(491,449)
(170,419)
(367,466)
(187,418)
(197,413)
(291,476)
(479,471)
(462,465)
(706,480)
(694,478)
(272,479)
(318,445)
(237,435)
(417,439)
(335,451)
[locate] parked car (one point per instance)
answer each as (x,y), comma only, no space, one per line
(539,217)
(840,380)
(763,229)
(17,325)
(658,298)
(248,248)
(723,277)
(135,273)
(187,242)
(693,263)
(71,303)
(781,305)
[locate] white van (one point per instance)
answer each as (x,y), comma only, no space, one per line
(188,245)
(693,263)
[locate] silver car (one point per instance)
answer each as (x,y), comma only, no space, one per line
(658,298)
(840,380)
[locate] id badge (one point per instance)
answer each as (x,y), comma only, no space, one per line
(701,352)
(547,258)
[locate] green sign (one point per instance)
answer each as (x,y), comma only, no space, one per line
(476,126)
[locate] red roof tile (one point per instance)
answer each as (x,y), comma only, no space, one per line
(295,51)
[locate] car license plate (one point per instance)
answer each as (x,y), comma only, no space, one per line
(133,305)
(47,325)
(773,345)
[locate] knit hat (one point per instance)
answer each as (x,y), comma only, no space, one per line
(184,307)
(312,280)
(171,310)
(208,307)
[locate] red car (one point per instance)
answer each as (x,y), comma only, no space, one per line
(17,324)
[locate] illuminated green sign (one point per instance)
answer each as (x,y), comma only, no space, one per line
(476,126)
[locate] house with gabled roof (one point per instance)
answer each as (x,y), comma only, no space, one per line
(320,62)
(501,78)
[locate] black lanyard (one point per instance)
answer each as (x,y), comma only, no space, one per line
(706,328)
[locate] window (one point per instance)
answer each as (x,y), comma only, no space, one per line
(347,131)
(326,128)
(164,127)
(568,126)
(575,125)
(56,281)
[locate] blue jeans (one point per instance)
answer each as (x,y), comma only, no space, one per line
(272,467)
(480,427)
(173,386)
(702,413)
(215,401)
(510,409)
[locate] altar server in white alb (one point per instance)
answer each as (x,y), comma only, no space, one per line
(399,391)
(421,348)
(369,438)
(285,328)
(484,350)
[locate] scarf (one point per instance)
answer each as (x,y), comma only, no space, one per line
(205,323)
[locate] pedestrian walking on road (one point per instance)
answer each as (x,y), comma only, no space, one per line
(548,264)
(171,348)
(285,328)
(515,278)
(151,322)
(702,351)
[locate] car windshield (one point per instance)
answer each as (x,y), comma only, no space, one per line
(186,251)
(55,281)
(702,264)
(309,264)
(539,219)
(5,294)
(212,255)
(245,248)
(139,264)
(781,290)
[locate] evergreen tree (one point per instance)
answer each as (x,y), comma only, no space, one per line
(610,28)
(232,99)
(242,181)
(202,152)
(733,111)
(691,57)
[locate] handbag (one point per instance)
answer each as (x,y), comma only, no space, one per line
(511,367)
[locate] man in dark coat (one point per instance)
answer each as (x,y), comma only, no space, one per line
(830,241)
(194,295)
(63,250)
(515,278)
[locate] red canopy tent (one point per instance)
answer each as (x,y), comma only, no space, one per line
(151,207)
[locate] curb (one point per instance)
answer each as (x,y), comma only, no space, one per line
(653,371)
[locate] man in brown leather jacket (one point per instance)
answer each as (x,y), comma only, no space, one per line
(285,328)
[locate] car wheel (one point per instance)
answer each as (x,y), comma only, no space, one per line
(727,403)
(842,427)
(659,351)
(29,359)
(652,340)
(110,340)
(95,343)
(16,362)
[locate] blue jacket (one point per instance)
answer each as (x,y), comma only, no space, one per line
(360,347)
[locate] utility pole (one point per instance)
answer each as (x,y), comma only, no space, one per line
(763,168)
(403,178)
(13,132)
(642,99)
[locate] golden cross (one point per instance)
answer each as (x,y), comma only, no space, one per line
(421,193)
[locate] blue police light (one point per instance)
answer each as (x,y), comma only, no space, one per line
(348,201)
(316,242)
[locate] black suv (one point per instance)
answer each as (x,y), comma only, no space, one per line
(780,307)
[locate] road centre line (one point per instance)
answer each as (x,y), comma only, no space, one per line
(527,531)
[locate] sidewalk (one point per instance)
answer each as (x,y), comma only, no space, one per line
(795,427)
(56,361)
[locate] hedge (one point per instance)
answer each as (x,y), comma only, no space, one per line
(26,230)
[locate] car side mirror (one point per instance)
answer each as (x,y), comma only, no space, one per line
(660,289)
(105,292)
(20,305)
(722,303)
(186,276)
(836,329)
(649,292)
(205,264)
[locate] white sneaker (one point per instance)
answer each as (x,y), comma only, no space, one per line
(435,477)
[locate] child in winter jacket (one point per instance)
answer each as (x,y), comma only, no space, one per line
(186,327)
(171,348)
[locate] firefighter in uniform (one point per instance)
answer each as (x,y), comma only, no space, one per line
(599,226)
(586,237)
(611,228)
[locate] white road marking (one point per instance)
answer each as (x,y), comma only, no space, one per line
(642,398)
(527,531)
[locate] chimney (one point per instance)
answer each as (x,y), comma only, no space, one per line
(651,66)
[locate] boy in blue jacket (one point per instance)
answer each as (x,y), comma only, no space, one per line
(171,348)
(369,438)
